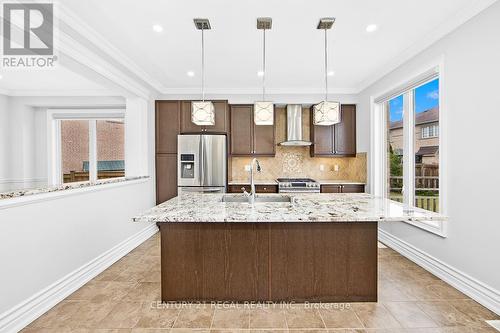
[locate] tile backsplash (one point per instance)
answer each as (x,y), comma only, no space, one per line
(296,162)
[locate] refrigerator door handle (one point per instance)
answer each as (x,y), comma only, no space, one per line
(200,167)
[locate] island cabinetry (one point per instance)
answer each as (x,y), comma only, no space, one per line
(336,140)
(343,188)
(221,125)
(167,120)
(275,261)
(248,139)
(258,188)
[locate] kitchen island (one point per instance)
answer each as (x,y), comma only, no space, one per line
(316,248)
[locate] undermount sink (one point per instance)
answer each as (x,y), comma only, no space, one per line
(258,198)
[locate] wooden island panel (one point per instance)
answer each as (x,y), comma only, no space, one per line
(296,261)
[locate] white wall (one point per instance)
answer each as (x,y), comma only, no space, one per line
(42,242)
(4,137)
(471,100)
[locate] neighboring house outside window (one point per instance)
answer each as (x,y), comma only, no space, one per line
(426,136)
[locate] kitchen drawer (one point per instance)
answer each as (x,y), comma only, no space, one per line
(258,188)
(343,188)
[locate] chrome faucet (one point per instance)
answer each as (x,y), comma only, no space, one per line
(251,195)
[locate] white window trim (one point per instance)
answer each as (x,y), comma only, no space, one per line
(378,142)
(54,117)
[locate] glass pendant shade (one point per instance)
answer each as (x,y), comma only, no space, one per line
(326,113)
(263,113)
(203,113)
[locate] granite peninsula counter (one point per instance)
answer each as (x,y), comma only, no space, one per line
(319,248)
(356,207)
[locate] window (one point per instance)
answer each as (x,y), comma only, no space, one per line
(412,139)
(90,149)
(431,131)
(74,150)
(395,149)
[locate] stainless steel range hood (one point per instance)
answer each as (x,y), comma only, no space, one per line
(294,127)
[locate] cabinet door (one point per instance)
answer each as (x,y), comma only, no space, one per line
(266,188)
(322,139)
(166,177)
(345,132)
(221,118)
(331,189)
(167,126)
(353,188)
(241,130)
(263,137)
(187,126)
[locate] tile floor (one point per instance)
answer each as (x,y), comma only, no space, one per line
(123,299)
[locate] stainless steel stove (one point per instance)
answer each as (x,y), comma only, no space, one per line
(298,185)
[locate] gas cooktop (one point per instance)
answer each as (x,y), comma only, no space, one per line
(298,185)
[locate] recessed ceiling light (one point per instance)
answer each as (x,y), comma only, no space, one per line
(190,73)
(260,73)
(331,73)
(157,28)
(371,28)
(1,76)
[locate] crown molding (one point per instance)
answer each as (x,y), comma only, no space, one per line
(257,91)
(57,93)
(77,24)
(445,28)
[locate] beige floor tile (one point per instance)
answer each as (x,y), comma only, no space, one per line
(444,314)
(123,315)
(59,317)
(231,318)
(373,315)
(268,317)
(340,318)
(409,315)
(300,318)
(197,316)
(144,291)
(90,314)
(156,317)
(445,291)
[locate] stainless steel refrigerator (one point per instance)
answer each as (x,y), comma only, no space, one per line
(202,163)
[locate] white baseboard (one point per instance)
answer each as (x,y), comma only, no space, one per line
(24,313)
(478,291)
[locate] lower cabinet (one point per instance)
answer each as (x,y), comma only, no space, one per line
(258,188)
(166,177)
(343,188)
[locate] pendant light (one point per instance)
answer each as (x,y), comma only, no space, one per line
(326,113)
(202,112)
(263,110)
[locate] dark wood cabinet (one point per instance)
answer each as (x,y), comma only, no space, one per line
(166,177)
(167,126)
(336,140)
(248,139)
(258,188)
(168,115)
(221,119)
(343,188)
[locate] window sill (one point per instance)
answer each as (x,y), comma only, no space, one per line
(434,227)
(24,197)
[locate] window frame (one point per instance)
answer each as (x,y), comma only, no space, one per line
(54,118)
(379,137)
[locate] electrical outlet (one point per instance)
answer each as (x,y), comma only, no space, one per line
(247,168)
(321,167)
(336,168)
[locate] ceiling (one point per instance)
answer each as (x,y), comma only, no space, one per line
(294,45)
(58,81)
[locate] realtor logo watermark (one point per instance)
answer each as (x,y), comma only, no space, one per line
(28,36)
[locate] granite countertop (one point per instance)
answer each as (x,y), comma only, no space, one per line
(65,187)
(196,207)
(257,182)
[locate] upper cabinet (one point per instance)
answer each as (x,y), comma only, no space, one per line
(167,126)
(221,119)
(248,139)
(336,140)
